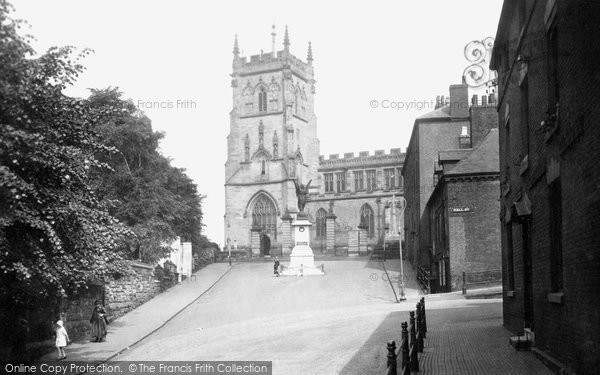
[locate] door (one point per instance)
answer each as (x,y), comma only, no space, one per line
(265,244)
(527,273)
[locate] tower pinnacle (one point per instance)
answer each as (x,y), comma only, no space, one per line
(309,57)
(273,35)
(236,48)
(286,40)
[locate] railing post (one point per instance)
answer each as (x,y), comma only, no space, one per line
(464,288)
(424,317)
(391,357)
(419,329)
(414,358)
(405,353)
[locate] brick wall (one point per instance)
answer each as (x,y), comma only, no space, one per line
(475,234)
(567,329)
(483,118)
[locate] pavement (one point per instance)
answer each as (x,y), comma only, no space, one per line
(470,339)
(333,324)
(134,326)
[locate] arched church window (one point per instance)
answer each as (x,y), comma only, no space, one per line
(263,167)
(321,223)
(296,99)
(264,213)
(303,104)
(368,219)
(248,99)
(262,99)
(273,97)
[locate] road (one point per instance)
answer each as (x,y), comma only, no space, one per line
(305,325)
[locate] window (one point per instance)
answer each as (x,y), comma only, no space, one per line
(328,182)
(556,266)
(263,167)
(359,181)
(321,223)
(264,214)
(368,219)
(371,180)
(510,265)
(262,100)
(399,178)
(553,86)
(248,99)
(274,97)
(525,117)
(389,178)
(303,104)
(341,181)
(507,150)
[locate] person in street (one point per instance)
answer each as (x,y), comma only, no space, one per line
(276,267)
(98,321)
(62,339)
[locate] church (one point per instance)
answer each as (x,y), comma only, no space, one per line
(354,202)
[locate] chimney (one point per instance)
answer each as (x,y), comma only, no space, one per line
(464,141)
(459,101)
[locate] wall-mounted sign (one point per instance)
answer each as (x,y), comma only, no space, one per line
(460,209)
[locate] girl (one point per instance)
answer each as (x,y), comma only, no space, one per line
(62,339)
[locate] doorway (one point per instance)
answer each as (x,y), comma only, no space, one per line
(265,245)
(527,273)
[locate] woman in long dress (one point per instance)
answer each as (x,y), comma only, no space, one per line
(98,321)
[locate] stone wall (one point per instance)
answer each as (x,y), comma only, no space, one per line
(128,292)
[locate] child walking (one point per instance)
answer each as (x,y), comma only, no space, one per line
(62,339)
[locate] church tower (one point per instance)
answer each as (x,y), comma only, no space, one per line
(272,141)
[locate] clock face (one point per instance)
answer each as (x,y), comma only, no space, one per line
(301,229)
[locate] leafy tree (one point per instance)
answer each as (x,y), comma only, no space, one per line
(155,199)
(55,233)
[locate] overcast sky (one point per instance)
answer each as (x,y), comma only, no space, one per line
(399,51)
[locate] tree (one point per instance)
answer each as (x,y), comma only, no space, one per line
(158,201)
(55,233)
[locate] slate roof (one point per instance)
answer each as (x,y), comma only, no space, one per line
(485,158)
(442,112)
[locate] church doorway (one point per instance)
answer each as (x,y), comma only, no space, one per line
(265,245)
(264,220)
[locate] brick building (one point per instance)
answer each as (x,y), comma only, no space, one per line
(273,142)
(433,132)
(463,215)
(546,55)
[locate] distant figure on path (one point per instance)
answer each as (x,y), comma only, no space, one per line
(98,321)
(62,339)
(276,267)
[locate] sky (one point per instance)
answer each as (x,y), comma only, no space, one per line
(378,66)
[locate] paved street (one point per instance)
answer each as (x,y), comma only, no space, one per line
(334,324)
(305,325)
